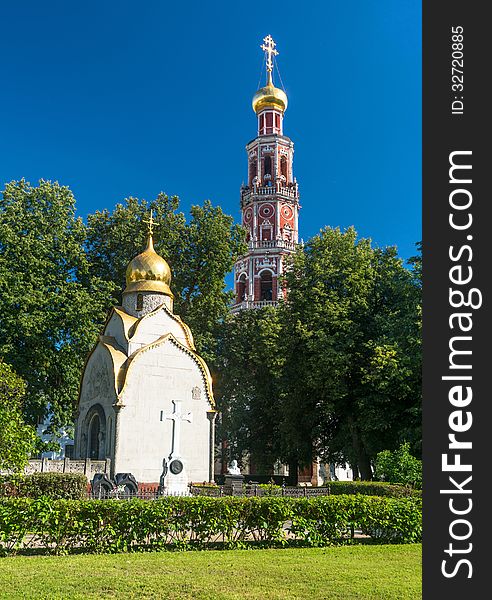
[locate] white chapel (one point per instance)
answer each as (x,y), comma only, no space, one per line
(146,399)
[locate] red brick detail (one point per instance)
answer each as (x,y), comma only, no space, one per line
(148,488)
(274,287)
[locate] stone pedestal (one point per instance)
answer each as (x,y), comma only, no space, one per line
(233,484)
(176,479)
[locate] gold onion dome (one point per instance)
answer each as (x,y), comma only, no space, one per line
(148,272)
(269,97)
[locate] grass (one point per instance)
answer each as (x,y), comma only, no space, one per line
(342,573)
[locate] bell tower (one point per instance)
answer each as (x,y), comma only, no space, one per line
(269,200)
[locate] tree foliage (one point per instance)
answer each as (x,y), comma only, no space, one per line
(17,439)
(247,386)
(399,466)
(335,371)
(352,339)
(51,303)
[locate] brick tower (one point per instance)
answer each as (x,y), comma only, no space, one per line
(269,201)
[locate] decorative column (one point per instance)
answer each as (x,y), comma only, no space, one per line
(116,446)
(211,415)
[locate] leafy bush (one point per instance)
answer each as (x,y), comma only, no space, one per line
(17,438)
(399,467)
(326,519)
(189,522)
(57,486)
(371,488)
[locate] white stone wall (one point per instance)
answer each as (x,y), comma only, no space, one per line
(150,329)
(144,440)
(114,328)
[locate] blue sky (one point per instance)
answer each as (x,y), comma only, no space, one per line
(118,99)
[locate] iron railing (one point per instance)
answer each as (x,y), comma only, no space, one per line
(216,491)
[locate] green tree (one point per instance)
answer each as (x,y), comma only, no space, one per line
(17,439)
(399,466)
(247,387)
(352,342)
(200,252)
(51,303)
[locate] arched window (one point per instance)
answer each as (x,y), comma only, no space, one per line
(93,444)
(94,431)
(241,288)
(253,171)
(277,122)
(266,289)
(267,166)
(139,302)
(283,167)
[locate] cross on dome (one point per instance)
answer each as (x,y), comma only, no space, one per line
(269,48)
(150,222)
(269,96)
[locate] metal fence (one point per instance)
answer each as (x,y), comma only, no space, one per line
(259,490)
(141,495)
(215,491)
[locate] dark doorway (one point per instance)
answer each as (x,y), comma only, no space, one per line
(94,435)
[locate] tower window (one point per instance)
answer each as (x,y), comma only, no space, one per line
(277,121)
(262,123)
(266,285)
(241,289)
(267,166)
(252,171)
(269,122)
(283,167)
(139,302)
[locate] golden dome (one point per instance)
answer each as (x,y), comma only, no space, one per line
(148,272)
(269,97)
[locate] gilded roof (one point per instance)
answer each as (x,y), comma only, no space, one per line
(148,272)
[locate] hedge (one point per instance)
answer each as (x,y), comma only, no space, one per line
(61,526)
(57,486)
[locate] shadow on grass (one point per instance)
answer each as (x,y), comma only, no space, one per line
(193,546)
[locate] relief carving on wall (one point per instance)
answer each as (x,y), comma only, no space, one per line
(97,383)
(266,262)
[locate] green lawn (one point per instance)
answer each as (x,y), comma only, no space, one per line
(382,572)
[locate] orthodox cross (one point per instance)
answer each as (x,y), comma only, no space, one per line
(176,417)
(269,48)
(150,222)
